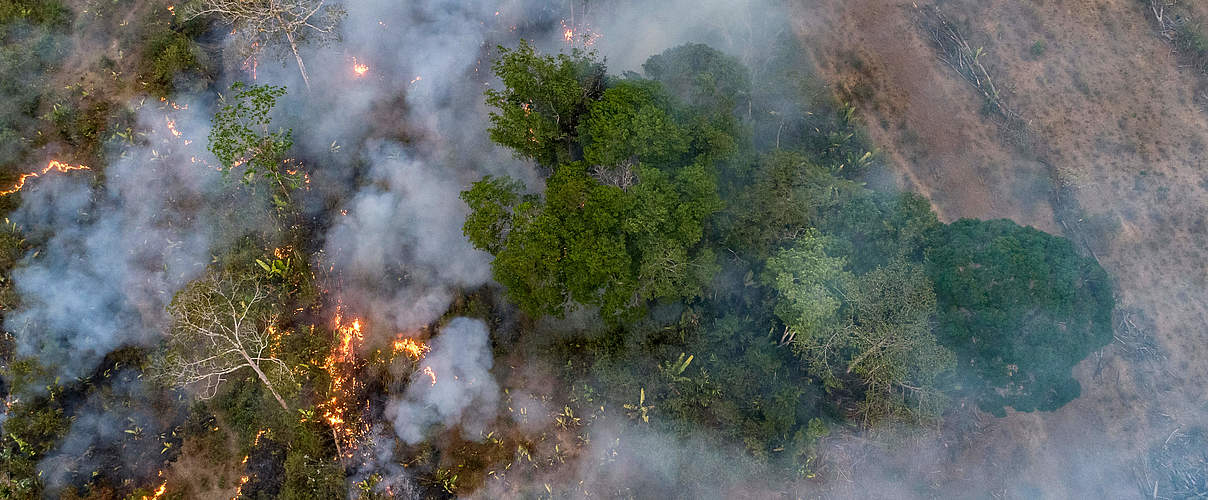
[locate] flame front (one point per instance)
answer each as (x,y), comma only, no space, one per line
(341,365)
(411,347)
(430,373)
(159,492)
(359,68)
(53,165)
(243,479)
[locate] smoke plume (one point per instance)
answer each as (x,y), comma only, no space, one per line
(455,388)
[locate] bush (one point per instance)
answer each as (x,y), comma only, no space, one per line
(44,12)
(1038,48)
(167,55)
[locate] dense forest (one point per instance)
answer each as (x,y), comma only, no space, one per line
(695,274)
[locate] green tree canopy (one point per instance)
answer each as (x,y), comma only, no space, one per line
(592,243)
(1020,308)
(629,124)
(891,346)
(703,77)
(542,102)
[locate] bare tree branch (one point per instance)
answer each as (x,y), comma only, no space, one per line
(222,324)
(265,23)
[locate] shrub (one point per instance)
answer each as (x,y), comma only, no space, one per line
(167,55)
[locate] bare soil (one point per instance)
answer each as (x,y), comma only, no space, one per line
(1116,118)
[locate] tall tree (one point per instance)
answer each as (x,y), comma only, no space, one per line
(538,111)
(242,136)
(222,324)
(1020,308)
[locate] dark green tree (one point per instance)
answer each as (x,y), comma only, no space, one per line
(590,243)
(628,125)
(706,79)
(1020,308)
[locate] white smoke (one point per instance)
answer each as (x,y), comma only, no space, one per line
(464,393)
(113,256)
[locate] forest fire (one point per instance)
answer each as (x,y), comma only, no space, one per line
(341,365)
(244,478)
(251,64)
(359,68)
(159,492)
(572,33)
(411,347)
(53,165)
(430,373)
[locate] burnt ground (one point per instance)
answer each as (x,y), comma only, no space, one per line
(1114,120)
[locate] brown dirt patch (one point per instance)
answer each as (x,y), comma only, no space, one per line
(1117,119)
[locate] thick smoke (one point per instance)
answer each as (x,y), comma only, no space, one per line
(400,249)
(407,137)
(464,392)
(113,256)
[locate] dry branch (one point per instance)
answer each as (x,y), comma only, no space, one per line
(956,52)
(264,23)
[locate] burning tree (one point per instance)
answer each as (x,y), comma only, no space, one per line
(222,324)
(265,23)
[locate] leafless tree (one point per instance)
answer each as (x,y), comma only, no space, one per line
(621,176)
(264,23)
(221,324)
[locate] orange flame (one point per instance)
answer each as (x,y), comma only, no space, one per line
(158,492)
(430,373)
(568,34)
(53,165)
(243,479)
(412,348)
(341,364)
(358,68)
(250,64)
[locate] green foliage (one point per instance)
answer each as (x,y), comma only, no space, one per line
(807,281)
(166,57)
(32,428)
(702,77)
(310,469)
(892,349)
(623,227)
(1192,42)
(242,137)
(595,244)
(51,13)
(1038,48)
(877,228)
(543,100)
(27,56)
(1020,308)
(629,126)
(566,247)
(786,197)
(492,201)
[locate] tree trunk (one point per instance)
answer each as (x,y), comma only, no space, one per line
(289,35)
(264,379)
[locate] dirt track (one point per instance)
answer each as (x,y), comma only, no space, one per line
(1116,117)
